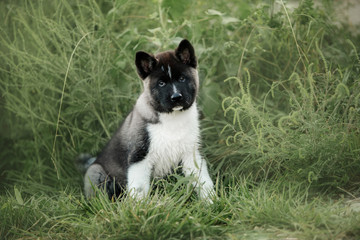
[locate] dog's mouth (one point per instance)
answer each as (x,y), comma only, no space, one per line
(177,108)
(182,105)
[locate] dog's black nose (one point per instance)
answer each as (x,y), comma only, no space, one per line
(176,97)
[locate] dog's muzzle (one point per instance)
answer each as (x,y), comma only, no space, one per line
(176,97)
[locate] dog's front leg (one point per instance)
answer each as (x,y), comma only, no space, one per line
(195,165)
(138,179)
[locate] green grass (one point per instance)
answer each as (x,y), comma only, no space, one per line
(280,103)
(243,210)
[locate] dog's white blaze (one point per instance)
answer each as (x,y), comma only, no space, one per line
(169,71)
(175,90)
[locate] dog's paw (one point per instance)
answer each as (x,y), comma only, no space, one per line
(208,195)
(138,194)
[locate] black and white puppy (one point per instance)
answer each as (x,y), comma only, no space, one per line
(161,132)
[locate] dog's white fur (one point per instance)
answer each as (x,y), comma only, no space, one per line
(173,140)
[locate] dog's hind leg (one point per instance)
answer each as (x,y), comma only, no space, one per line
(95,176)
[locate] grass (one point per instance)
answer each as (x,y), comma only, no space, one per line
(280,103)
(244,210)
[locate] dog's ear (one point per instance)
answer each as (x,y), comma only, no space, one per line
(186,53)
(145,64)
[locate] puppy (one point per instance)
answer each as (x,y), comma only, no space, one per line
(159,134)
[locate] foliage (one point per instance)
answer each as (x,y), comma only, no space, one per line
(280,103)
(293,107)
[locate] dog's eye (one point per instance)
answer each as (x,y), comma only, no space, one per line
(161,83)
(182,79)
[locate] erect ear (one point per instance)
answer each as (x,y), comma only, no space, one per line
(186,54)
(145,63)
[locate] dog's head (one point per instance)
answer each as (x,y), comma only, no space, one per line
(170,78)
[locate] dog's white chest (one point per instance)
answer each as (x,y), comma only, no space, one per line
(174,136)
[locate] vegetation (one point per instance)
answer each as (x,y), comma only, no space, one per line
(280,103)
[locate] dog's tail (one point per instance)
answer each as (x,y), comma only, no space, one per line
(83,162)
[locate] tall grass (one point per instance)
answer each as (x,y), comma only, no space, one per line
(293,106)
(279,97)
